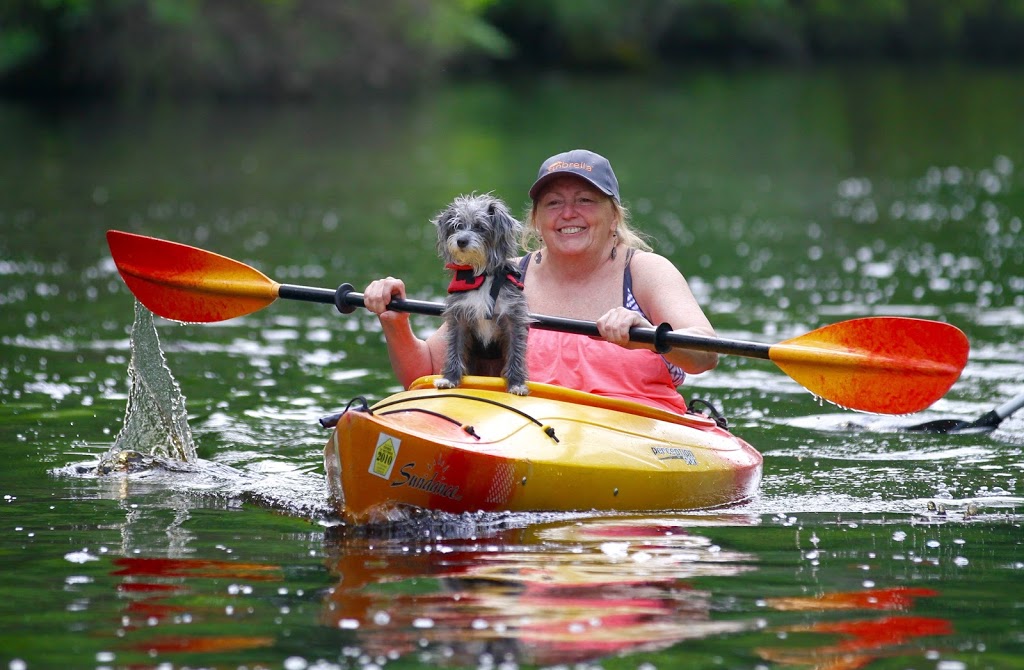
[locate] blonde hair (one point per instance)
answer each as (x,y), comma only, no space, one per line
(532,241)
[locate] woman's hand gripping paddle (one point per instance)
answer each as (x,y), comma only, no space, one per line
(885,365)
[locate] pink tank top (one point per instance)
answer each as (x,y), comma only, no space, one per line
(595,366)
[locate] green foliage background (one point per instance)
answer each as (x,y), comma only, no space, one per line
(290,48)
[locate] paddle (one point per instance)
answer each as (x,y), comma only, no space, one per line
(887,365)
(983,424)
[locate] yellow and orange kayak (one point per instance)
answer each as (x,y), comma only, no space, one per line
(478,448)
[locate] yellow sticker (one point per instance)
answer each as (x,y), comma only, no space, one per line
(384,456)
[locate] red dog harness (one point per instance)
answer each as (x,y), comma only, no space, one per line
(464,279)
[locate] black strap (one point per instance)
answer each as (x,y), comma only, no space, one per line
(508,274)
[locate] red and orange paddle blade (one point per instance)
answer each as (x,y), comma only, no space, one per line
(187,284)
(890,365)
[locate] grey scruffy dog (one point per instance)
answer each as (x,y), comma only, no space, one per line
(486,313)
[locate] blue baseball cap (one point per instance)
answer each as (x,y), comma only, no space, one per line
(582,163)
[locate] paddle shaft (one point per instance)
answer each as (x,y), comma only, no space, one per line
(1009,407)
(994,417)
(986,422)
(662,337)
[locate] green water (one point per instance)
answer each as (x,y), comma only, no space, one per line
(790,200)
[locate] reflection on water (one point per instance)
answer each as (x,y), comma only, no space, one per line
(861,642)
(482,591)
(487,590)
(569,592)
(550,594)
(160,595)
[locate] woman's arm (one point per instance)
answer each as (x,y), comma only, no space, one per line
(411,357)
(663,294)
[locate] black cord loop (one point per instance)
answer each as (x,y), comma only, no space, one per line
(331,420)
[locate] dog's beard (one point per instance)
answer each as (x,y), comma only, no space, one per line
(472,255)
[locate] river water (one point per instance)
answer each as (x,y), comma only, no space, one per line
(790,200)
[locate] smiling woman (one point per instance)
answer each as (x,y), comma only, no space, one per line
(591,264)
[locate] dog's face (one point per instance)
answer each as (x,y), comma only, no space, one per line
(477,230)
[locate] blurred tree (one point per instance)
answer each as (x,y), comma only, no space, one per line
(237,47)
(334,47)
(610,33)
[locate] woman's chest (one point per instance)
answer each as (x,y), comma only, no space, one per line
(588,300)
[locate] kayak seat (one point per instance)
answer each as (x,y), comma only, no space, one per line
(550,391)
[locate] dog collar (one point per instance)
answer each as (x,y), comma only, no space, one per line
(464,279)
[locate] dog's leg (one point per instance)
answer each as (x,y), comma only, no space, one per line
(455,358)
(515,332)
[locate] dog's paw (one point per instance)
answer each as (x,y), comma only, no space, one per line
(519,389)
(443,383)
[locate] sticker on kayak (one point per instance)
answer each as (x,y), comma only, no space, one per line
(384,456)
(674,454)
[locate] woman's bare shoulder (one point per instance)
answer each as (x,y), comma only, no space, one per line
(651,265)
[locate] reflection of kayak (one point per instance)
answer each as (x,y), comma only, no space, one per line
(556,594)
(479,448)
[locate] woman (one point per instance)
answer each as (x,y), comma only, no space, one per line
(589,264)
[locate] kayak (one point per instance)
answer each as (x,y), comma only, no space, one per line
(477,448)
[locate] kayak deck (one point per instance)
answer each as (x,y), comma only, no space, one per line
(478,448)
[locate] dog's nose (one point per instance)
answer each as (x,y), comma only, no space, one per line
(462,242)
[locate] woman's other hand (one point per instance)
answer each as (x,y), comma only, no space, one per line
(614,326)
(378,296)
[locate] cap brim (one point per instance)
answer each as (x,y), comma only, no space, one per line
(538,185)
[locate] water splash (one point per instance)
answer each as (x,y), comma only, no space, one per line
(155,420)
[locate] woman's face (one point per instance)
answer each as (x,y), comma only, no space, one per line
(573,216)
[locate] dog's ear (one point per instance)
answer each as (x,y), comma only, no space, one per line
(440,221)
(440,218)
(508,227)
